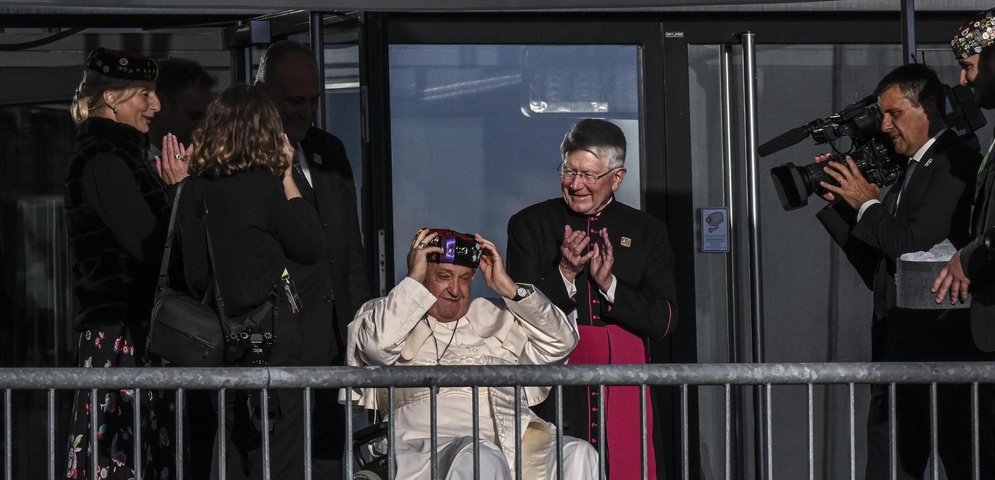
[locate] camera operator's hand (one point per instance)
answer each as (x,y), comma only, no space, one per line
(853,188)
(951,279)
(827,196)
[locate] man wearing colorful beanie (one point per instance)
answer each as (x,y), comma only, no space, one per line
(972,269)
(430,319)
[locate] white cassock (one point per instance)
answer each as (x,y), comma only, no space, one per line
(396,330)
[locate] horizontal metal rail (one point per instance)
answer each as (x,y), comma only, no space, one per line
(682,375)
(496,375)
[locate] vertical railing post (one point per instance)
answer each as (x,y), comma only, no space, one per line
(309,432)
(51,433)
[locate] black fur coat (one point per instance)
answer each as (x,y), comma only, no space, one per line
(117,211)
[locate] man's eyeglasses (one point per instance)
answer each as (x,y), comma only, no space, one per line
(588,178)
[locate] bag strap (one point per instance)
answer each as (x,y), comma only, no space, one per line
(218,299)
(170,235)
(200,196)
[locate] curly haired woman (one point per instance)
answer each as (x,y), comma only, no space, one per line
(242,190)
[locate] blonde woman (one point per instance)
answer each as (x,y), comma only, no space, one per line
(117,209)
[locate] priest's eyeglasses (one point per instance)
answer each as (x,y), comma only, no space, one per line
(588,178)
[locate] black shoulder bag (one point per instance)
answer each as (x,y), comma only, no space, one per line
(186,332)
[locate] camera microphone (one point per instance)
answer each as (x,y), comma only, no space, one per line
(786,139)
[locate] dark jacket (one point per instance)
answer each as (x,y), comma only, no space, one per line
(117,211)
(645,298)
(255,232)
(979,262)
(335,286)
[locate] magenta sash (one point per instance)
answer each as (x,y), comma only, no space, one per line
(613,345)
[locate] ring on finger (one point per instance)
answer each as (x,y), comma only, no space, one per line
(422,245)
(178,156)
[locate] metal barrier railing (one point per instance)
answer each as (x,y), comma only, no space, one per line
(679,375)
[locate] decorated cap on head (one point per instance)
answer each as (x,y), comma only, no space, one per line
(123,65)
(975,35)
(457,248)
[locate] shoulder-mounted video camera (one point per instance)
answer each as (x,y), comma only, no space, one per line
(870,148)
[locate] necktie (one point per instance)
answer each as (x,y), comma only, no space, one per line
(302,184)
(881,277)
(909,168)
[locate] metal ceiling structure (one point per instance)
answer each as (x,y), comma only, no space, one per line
(256,7)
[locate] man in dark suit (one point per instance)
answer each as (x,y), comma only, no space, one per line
(333,289)
(972,269)
(929,204)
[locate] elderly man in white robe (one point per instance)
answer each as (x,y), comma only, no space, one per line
(430,319)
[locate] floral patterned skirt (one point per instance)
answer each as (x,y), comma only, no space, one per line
(114,346)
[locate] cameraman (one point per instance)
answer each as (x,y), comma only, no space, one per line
(971,269)
(929,204)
